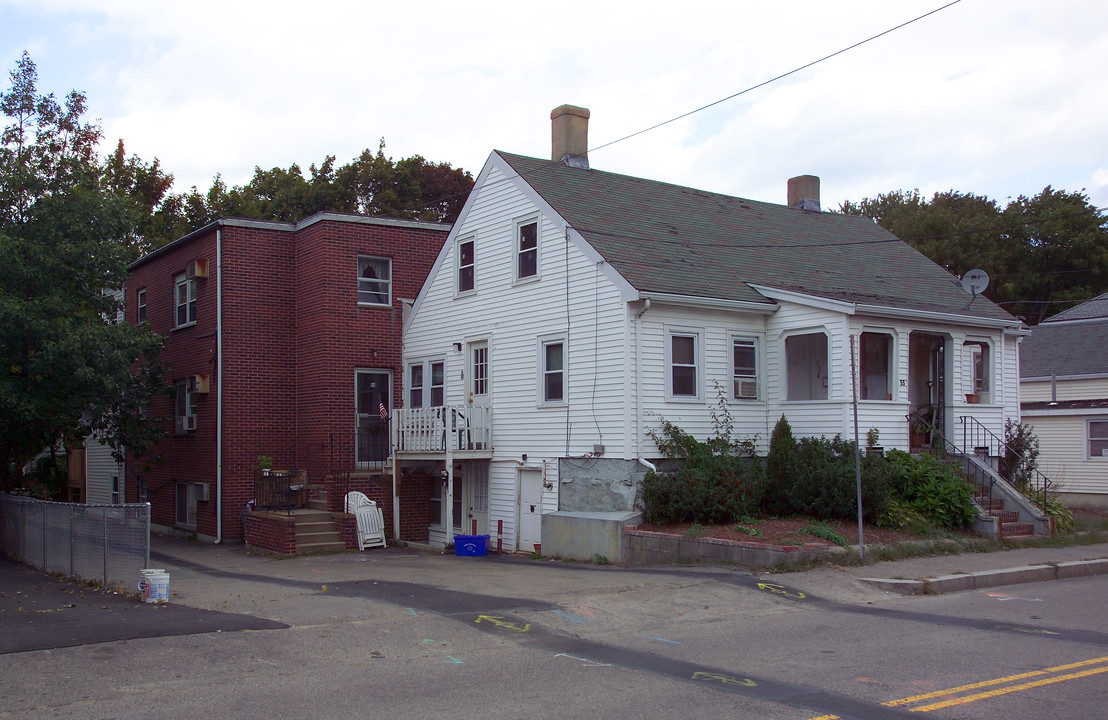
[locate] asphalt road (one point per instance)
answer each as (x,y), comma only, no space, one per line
(402,634)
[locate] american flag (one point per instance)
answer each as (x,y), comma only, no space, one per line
(382,411)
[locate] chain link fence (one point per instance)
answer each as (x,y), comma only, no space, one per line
(106,543)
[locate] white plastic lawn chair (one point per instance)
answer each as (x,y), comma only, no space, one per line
(371,521)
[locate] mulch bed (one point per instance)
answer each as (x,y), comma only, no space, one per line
(787,531)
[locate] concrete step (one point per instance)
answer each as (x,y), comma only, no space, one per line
(317,536)
(303,548)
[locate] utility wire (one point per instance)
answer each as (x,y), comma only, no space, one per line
(762,84)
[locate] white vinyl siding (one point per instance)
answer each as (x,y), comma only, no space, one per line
(1064,452)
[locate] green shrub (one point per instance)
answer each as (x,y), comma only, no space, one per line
(780,462)
(933,488)
(820,481)
(721,491)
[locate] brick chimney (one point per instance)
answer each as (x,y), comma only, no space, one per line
(569,134)
(804,193)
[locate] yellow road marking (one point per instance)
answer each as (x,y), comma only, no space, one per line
(989,683)
(1005,691)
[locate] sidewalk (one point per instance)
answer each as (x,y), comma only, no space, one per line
(975,571)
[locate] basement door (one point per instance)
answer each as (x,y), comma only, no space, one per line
(530,509)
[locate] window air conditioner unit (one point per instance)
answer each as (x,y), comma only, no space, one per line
(197,269)
(748,389)
(201,490)
(200,384)
(186,423)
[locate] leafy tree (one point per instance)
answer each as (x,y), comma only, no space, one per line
(1043,253)
(68,368)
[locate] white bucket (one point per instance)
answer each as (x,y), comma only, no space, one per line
(154,585)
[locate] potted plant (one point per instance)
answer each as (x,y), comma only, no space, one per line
(873,442)
(265,462)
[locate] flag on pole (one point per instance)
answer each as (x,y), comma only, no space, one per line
(382,411)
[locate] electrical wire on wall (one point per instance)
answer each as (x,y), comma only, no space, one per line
(565,350)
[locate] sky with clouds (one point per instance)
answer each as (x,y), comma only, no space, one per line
(996,97)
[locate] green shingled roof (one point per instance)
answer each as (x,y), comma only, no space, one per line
(666,238)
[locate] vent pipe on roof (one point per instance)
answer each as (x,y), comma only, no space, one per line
(569,135)
(804,193)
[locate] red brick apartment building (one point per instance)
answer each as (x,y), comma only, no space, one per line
(282,340)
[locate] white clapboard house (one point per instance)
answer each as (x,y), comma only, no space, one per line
(571,309)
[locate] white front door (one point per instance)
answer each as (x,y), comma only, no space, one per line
(477,378)
(530,509)
(477,498)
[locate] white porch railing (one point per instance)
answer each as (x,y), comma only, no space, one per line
(438,429)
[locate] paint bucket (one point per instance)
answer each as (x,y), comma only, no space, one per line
(154,585)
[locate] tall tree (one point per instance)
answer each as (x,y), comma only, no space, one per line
(68,366)
(1043,253)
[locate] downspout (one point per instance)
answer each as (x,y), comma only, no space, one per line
(218,385)
(638,387)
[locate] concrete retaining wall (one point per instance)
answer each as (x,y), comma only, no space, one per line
(641,547)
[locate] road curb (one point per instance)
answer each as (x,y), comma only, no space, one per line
(991,578)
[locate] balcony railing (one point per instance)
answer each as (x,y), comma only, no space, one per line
(438,429)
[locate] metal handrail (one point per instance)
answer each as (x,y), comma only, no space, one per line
(1030,481)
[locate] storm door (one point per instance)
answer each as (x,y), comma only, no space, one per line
(373,397)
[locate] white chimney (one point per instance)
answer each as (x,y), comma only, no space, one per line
(804,193)
(569,133)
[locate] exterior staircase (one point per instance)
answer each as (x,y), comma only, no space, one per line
(1004,511)
(1007,522)
(316,532)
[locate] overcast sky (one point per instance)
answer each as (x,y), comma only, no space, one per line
(996,97)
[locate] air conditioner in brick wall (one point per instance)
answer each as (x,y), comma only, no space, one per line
(202,490)
(185,423)
(197,268)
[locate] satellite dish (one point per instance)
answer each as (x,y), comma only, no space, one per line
(975,281)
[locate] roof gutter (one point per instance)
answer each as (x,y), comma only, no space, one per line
(766,308)
(883,311)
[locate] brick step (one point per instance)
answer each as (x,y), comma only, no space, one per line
(317,504)
(1016,529)
(305,548)
(1006,516)
(985,503)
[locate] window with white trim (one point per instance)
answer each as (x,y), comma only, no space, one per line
(806,366)
(744,368)
(184,292)
(426,384)
(527,249)
(683,358)
(553,372)
(140,303)
(374,280)
(467,265)
(185,412)
(116,490)
(978,362)
(1098,438)
(875,366)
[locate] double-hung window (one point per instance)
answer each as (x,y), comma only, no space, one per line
(185,300)
(683,351)
(140,303)
(744,368)
(467,264)
(374,280)
(185,413)
(527,249)
(553,372)
(1098,439)
(186,504)
(426,384)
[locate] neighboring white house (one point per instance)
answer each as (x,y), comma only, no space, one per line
(105,478)
(1064,393)
(571,309)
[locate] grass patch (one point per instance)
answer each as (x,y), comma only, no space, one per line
(823,532)
(696,530)
(747,530)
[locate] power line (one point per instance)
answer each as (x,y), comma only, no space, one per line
(729,97)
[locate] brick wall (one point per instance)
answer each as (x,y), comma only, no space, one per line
(293,338)
(270,532)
